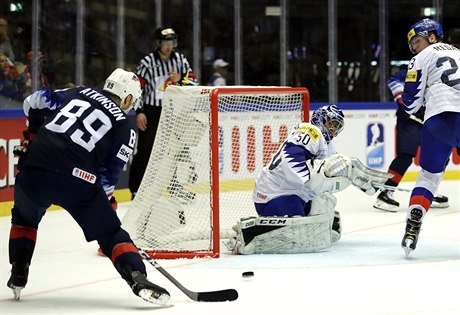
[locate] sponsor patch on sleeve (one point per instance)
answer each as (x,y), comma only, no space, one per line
(124,153)
(411,76)
(312,132)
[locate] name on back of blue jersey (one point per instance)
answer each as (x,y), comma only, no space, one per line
(113,108)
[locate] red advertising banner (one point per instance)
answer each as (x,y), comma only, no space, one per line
(11,128)
(10,136)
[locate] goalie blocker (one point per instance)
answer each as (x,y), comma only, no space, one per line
(338,171)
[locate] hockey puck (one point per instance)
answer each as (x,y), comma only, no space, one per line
(248,274)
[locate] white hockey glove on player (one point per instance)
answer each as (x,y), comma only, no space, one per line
(360,175)
(320,181)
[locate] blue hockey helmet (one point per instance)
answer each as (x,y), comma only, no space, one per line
(423,28)
(329,119)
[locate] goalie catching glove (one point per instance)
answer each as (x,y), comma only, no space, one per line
(337,172)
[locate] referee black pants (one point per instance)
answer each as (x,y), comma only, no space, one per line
(145,142)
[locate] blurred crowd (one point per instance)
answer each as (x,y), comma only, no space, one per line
(15,74)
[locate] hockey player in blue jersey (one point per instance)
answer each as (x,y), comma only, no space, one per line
(432,82)
(75,146)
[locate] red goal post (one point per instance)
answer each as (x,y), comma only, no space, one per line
(195,187)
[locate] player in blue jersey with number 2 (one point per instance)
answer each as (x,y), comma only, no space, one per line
(75,146)
(433,82)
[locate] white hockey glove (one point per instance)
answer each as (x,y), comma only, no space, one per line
(321,181)
(360,175)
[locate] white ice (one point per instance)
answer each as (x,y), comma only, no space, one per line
(366,272)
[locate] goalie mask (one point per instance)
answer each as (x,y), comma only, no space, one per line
(423,28)
(329,119)
(121,83)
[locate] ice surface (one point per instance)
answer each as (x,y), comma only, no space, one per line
(364,273)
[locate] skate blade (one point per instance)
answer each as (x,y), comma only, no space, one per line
(407,248)
(153,297)
(17,292)
(438,205)
(380,205)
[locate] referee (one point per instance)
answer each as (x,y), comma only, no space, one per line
(156,71)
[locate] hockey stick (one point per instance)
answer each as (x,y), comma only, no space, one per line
(387,187)
(210,296)
(416,119)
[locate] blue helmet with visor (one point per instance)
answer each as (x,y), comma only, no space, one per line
(423,28)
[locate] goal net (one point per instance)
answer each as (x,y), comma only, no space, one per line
(210,144)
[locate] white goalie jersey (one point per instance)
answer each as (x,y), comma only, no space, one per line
(287,172)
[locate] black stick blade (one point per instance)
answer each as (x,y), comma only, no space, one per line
(218,296)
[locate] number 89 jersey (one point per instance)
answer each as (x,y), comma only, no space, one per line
(87,136)
(287,172)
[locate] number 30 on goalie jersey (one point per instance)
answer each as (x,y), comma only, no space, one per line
(304,143)
(287,173)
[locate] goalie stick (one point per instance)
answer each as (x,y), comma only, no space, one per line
(392,188)
(209,296)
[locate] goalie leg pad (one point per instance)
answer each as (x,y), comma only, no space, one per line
(325,205)
(278,235)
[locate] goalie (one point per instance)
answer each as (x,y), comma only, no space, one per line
(293,194)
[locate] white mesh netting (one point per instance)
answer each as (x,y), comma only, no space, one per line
(173,209)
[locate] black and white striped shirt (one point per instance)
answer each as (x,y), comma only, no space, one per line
(155,72)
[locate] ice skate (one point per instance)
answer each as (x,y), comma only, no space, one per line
(386,202)
(145,289)
(18,279)
(440,201)
(414,223)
